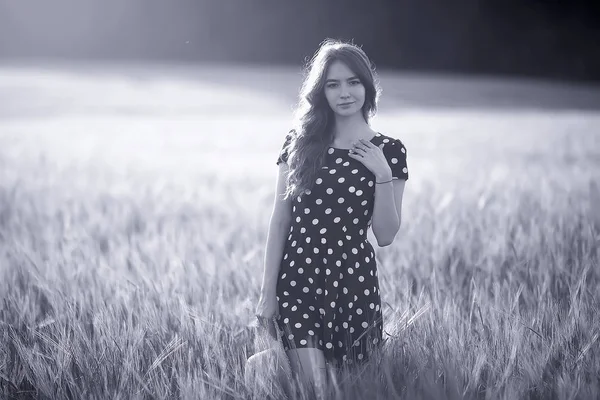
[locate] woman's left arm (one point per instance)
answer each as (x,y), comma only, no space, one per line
(387,210)
(386,166)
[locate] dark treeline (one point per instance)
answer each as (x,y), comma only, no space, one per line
(548,38)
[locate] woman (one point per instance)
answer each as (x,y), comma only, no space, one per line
(337,177)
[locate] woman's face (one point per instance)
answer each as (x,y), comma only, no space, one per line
(345,93)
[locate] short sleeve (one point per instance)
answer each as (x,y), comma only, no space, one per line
(283,153)
(395,153)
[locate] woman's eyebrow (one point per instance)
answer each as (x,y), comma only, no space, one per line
(337,80)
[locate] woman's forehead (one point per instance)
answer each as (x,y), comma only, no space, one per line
(339,70)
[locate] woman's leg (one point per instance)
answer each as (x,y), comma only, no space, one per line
(309,364)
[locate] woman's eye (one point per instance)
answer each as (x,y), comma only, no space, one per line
(332,85)
(355,83)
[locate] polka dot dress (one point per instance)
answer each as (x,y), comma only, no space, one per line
(328,288)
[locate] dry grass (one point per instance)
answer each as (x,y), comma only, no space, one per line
(131,253)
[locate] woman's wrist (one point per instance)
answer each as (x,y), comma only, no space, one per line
(385,177)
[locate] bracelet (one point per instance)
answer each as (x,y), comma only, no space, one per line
(384,182)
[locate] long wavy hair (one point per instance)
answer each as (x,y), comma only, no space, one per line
(314,119)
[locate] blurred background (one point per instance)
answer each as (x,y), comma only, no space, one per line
(138,141)
(543,38)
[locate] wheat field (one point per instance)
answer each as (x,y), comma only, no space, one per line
(134,206)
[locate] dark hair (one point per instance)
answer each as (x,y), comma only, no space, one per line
(314,118)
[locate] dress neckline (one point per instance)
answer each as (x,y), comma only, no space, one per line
(370,140)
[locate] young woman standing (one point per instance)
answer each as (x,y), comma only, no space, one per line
(337,178)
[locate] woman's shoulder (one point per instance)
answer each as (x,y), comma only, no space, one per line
(388,140)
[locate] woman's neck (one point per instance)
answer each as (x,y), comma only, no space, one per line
(349,129)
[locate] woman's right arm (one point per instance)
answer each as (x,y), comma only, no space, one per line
(279,227)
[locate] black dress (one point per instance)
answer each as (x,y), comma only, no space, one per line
(327,288)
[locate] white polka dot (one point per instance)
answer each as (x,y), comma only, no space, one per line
(330,324)
(341,180)
(361,278)
(300,270)
(329,345)
(302,230)
(359,192)
(371,306)
(315,250)
(329,190)
(303,342)
(364,324)
(306,210)
(323,240)
(350,271)
(351,329)
(318,325)
(338,160)
(332,171)
(294,308)
(354,171)
(330,151)
(327,271)
(310,332)
(336,219)
(404,170)
(328,211)
(319,290)
(340,243)
(359,311)
(355,250)
(284,305)
(349,209)
(308,260)
(367,292)
(333,304)
(305,316)
(329,251)
(298,219)
(319,181)
(293,283)
(386,140)
(291,336)
(350,305)
(315,221)
(305,289)
(370,183)
(351,189)
(300,250)
(345,290)
(403,150)
(340,344)
(364,203)
(341,200)
(360,356)
(310,280)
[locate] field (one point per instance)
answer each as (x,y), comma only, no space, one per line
(134,205)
